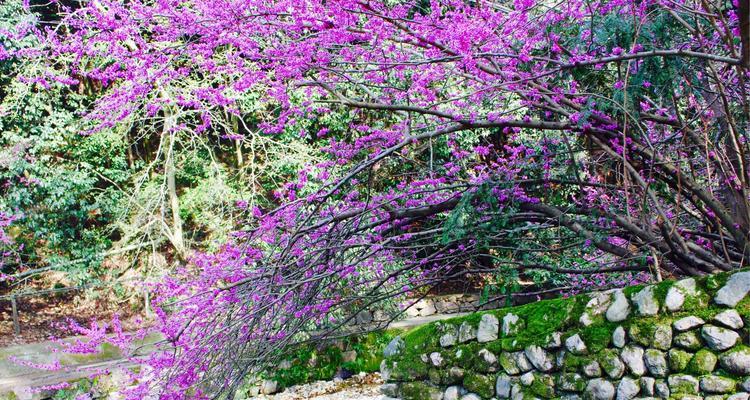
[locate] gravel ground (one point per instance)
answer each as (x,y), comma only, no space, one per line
(358,387)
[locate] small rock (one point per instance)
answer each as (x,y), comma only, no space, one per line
(571,382)
(645,301)
(717,384)
(489,359)
(269,387)
(502,386)
(618,337)
(736,288)
(730,319)
(575,345)
(527,379)
(676,294)
(554,341)
(627,389)
(688,340)
(488,328)
(661,390)
(389,389)
(447,339)
(687,323)
(746,385)
(703,363)
(470,396)
(466,332)
(632,356)
(539,358)
(737,361)
(512,324)
(596,306)
(619,309)
(678,360)
(592,370)
(394,347)
(647,385)
(719,338)
(451,393)
(514,363)
(683,384)
(662,337)
(349,356)
(739,396)
(426,307)
(611,364)
(656,363)
(600,389)
(436,359)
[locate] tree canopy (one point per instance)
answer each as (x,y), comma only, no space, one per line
(574,143)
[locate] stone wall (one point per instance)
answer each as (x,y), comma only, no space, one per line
(679,340)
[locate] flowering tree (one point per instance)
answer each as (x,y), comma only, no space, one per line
(482,137)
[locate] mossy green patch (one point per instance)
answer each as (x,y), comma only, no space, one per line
(678,360)
(573,363)
(543,386)
(483,385)
(571,382)
(598,337)
(419,391)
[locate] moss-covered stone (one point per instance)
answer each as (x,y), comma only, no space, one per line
(483,385)
(571,382)
(683,384)
(572,363)
(420,391)
(409,369)
(678,360)
(702,363)
(611,363)
(688,341)
(543,386)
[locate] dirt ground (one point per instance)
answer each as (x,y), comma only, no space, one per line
(42,317)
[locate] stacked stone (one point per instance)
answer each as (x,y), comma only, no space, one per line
(668,356)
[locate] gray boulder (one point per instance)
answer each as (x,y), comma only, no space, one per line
(736,288)
(576,345)
(600,389)
(539,358)
(656,363)
(676,294)
(687,323)
(632,356)
(466,333)
(627,389)
(619,337)
(645,301)
(717,384)
(730,319)
(619,309)
(394,347)
(488,330)
(719,338)
(512,324)
(737,362)
(503,386)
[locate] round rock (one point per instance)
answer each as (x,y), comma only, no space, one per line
(600,389)
(736,288)
(719,338)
